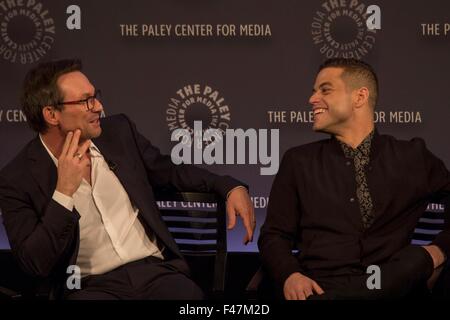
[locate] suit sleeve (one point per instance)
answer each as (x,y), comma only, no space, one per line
(163,173)
(280,230)
(39,241)
(438,184)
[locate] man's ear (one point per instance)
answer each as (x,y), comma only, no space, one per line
(51,115)
(361,97)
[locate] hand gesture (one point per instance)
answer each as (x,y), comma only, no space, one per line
(71,163)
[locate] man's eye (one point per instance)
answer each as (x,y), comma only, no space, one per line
(325,90)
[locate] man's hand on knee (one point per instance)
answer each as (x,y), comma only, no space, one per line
(436,254)
(300,287)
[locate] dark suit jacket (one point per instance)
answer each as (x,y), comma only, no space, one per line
(44,236)
(313,202)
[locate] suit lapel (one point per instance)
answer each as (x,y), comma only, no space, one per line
(45,173)
(42,167)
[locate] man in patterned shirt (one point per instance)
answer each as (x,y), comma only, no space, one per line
(351,201)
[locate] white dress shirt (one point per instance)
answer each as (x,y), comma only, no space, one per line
(110,232)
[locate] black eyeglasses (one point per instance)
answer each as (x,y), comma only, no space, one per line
(89,101)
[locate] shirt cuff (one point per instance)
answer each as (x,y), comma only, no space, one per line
(229,192)
(62,199)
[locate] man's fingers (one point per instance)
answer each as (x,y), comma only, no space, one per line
(307,292)
(247,238)
(249,235)
(74,143)
(239,203)
(248,224)
(252,218)
(84,147)
(317,288)
(85,162)
(67,143)
(300,295)
(247,214)
(231,216)
(248,220)
(288,296)
(292,295)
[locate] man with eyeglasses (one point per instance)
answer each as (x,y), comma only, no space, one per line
(80,195)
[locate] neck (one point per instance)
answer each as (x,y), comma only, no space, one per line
(354,136)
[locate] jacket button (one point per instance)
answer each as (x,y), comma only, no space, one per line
(352,199)
(348,163)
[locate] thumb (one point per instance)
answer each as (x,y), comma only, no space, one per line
(317,288)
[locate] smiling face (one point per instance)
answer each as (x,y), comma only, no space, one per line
(331,102)
(76,86)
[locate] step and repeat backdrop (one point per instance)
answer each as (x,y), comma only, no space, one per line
(232,64)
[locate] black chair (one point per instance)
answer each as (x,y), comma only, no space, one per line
(16,285)
(8,283)
(434,220)
(197,221)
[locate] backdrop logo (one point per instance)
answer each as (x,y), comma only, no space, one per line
(198,102)
(345,28)
(27,31)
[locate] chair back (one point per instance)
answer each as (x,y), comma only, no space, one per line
(197,222)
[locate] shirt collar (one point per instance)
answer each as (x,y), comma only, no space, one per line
(363,147)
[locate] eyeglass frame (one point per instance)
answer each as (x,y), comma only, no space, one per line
(97,96)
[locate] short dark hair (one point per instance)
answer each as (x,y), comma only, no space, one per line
(356,73)
(40,89)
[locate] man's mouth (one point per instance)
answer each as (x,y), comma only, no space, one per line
(318,111)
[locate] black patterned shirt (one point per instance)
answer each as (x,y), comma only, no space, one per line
(361,157)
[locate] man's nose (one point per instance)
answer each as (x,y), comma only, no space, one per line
(314,99)
(98,107)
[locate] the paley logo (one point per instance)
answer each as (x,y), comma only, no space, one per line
(27,31)
(345,28)
(196,102)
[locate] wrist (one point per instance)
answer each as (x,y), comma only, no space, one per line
(235,188)
(65,191)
